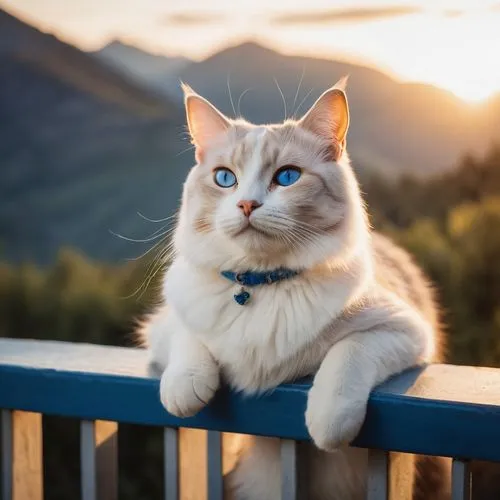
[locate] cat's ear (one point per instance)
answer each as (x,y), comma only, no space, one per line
(329,115)
(205,122)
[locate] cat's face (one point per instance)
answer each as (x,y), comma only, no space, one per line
(267,196)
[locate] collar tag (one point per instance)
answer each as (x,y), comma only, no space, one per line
(242,298)
(255,278)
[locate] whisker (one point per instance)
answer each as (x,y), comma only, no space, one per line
(157,220)
(149,250)
(281,215)
(190,148)
(291,231)
(154,267)
(282,97)
(298,89)
(302,102)
(304,225)
(230,95)
(141,286)
(143,240)
(240,98)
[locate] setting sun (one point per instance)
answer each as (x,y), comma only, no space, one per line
(469,91)
(455,52)
(458,54)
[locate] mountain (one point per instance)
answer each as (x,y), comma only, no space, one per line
(81,150)
(84,145)
(395,127)
(160,73)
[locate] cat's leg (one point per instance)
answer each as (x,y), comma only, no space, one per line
(391,338)
(192,374)
(257,473)
(189,373)
(154,333)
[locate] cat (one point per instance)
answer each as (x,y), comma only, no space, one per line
(278,275)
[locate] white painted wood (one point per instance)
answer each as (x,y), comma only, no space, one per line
(288,469)
(171,463)
(460,480)
(6,458)
(469,384)
(378,475)
(214,466)
(99,460)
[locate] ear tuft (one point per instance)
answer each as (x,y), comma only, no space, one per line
(186,89)
(342,83)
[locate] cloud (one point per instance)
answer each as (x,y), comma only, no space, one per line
(453,13)
(347,16)
(192,18)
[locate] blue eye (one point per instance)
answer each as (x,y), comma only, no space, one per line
(223,177)
(287,176)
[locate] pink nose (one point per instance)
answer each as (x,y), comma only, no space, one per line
(248,206)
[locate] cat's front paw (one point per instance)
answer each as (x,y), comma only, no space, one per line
(334,418)
(185,393)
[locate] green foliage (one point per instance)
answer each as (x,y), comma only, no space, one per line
(449,223)
(463,260)
(74,300)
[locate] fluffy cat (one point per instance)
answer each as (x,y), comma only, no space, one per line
(358,310)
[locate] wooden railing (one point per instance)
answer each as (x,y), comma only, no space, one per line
(441,410)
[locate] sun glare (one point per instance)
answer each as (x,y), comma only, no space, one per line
(470,92)
(457,54)
(453,49)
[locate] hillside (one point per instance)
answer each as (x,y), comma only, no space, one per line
(81,150)
(158,72)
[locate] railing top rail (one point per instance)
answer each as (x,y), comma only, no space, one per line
(440,410)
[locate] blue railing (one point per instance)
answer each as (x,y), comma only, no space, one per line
(443,410)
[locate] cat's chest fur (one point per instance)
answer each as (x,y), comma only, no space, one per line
(254,342)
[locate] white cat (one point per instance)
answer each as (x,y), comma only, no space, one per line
(277,209)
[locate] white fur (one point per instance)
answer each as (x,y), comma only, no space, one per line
(333,320)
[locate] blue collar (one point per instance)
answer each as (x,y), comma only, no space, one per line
(255,278)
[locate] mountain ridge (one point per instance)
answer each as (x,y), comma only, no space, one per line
(81,150)
(155,71)
(25,42)
(413,128)
(403,127)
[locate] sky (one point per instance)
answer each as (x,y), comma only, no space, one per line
(452,44)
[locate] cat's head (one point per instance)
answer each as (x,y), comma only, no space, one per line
(271,195)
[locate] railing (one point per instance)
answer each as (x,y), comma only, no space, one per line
(441,410)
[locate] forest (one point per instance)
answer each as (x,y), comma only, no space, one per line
(450,223)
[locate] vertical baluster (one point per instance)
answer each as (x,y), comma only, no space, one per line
(192,464)
(460,480)
(378,475)
(6,454)
(99,460)
(214,465)
(171,463)
(22,468)
(87,461)
(288,469)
